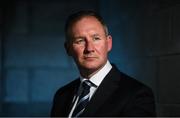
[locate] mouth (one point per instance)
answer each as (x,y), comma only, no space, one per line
(89,58)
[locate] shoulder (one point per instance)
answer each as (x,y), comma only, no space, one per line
(134,85)
(138,97)
(127,82)
(69,87)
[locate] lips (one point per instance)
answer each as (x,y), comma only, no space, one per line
(89,57)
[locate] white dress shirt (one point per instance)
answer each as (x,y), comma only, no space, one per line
(96,79)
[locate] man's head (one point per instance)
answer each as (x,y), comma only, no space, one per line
(87,41)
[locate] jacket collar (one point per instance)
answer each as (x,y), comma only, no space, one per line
(106,89)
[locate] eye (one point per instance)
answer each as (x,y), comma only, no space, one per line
(96,38)
(79,41)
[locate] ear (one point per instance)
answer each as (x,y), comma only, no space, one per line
(109,41)
(67,48)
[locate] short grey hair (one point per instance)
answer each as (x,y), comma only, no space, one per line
(73,18)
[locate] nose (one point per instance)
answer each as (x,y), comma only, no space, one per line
(89,47)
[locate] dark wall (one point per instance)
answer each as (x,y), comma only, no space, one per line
(34,63)
(147,45)
(162,34)
(1,62)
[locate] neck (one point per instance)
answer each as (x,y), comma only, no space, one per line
(88,73)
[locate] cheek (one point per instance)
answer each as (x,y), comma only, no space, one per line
(77,51)
(102,49)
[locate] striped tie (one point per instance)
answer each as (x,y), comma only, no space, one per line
(83,99)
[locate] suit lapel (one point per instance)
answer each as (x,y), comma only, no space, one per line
(72,95)
(104,91)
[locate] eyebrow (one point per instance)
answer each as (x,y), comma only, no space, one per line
(95,35)
(77,37)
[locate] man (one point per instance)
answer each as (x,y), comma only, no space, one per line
(111,93)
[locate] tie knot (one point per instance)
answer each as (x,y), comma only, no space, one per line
(86,84)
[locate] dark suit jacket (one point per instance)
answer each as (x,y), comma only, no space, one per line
(118,95)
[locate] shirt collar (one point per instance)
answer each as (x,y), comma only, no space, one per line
(100,75)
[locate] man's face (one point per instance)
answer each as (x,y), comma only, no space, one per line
(90,45)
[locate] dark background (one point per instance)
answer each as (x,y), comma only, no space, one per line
(33,63)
